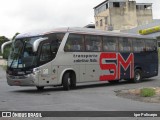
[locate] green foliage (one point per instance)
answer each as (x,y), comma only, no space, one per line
(15,35)
(147,92)
(6,51)
(3,39)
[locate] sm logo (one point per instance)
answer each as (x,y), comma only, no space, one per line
(116,65)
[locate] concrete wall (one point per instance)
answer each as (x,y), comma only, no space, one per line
(144,16)
(101,16)
(126,16)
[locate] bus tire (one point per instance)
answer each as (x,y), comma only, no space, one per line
(69,80)
(66,81)
(73,80)
(40,88)
(113,81)
(137,76)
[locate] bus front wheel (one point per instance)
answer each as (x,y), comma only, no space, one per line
(69,80)
(137,76)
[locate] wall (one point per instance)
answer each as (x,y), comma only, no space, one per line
(144,16)
(101,16)
(124,17)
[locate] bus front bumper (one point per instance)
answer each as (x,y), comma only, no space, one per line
(27,80)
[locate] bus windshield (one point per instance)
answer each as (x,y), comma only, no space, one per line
(33,51)
(22,54)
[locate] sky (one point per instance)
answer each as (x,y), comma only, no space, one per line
(31,15)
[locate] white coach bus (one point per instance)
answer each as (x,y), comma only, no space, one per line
(68,56)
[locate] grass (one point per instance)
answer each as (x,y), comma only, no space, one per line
(147,92)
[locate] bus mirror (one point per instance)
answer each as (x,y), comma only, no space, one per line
(37,42)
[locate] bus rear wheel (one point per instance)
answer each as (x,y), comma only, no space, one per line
(137,76)
(69,80)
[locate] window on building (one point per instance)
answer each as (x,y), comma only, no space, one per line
(110,44)
(96,23)
(106,20)
(75,43)
(140,7)
(93,43)
(101,22)
(137,7)
(107,6)
(147,7)
(116,4)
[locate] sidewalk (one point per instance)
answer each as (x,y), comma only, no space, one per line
(3,61)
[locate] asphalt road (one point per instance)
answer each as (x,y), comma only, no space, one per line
(93,97)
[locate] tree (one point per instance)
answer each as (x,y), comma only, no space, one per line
(3,39)
(15,35)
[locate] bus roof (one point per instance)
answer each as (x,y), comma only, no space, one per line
(83,31)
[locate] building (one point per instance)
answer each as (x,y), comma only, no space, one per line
(122,14)
(152,24)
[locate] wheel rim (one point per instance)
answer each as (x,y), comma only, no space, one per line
(138,76)
(69,81)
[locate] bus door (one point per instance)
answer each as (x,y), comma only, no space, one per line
(45,57)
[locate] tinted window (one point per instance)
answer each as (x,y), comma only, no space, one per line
(93,43)
(74,43)
(110,43)
(46,54)
(150,45)
(56,37)
(124,45)
(138,45)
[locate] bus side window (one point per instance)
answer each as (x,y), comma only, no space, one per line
(138,45)
(124,45)
(46,54)
(93,43)
(150,45)
(135,47)
(75,43)
(109,44)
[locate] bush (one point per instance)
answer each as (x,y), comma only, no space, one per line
(147,92)
(6,51)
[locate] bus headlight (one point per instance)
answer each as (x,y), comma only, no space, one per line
(35,71)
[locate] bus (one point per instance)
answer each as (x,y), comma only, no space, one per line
(68,56)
